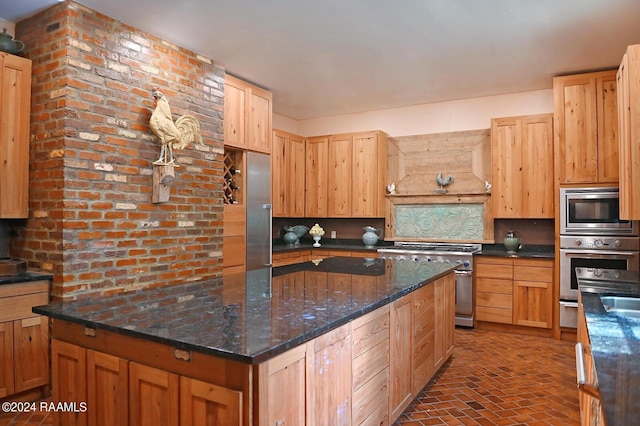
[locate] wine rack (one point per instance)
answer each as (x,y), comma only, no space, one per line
(232,177)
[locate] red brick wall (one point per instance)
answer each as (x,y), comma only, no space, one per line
(92,222)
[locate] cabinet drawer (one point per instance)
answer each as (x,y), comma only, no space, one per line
(370,330)
(484,313)
(532,273)
(18,307)
(370,363)
(371,401)
(490,270)
(490,285)
(494,300)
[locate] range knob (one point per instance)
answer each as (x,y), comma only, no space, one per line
(466,264)
(597,242)
(447,261)
(429,259)
(459,262)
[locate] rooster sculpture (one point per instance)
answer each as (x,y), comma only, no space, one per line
(172,135)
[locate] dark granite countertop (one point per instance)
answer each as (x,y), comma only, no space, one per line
(327,244)
(615,343)
(526,251)
(255,316)
(24,277)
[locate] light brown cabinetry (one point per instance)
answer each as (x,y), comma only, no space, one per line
(15,106)
(628,79)
(586,128)
(24,338)
(444,320)
(346,175)
(120,392)
(522,166)
(401,355)
(247,116)
(287,174)
(514,291)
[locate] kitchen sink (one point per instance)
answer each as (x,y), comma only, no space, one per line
(622,306)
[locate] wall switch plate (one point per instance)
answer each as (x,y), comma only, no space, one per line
(333,234)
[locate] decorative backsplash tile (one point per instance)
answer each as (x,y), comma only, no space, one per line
(439,221)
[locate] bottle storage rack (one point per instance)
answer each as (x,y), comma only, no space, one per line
(232,177)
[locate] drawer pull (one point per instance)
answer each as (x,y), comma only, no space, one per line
(182,355)
(90,332)
(581,374)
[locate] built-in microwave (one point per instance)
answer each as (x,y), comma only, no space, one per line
(593,211)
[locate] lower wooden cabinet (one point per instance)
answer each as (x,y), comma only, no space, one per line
(24,338)
(364,372)
(119,392)
(591,413)
(515,291)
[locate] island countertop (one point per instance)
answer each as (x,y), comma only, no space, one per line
(615,342)
(255,316)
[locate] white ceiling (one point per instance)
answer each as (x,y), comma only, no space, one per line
(322,58)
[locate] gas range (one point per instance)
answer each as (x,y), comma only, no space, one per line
(432,252)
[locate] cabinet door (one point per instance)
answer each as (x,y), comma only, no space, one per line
(6,358)
(608,134)
(537,193)
(533,292)
(296,170)
(235,117)
(400,355)
(287,388)
(576,128)
(368,176)
(259,120)
(317,167)
(444,319)
(68,380)
(423,336)
(107,389)
(205,404)
(629,202)
(339,180)
(279,173)
(31,346)
(329,389)
(153,396)
(15,105)
(506,161)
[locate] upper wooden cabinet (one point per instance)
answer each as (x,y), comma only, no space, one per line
(586,128)
(15,106)
(287,174)
(629,128)
(247,116)
(346,175)
(522,166)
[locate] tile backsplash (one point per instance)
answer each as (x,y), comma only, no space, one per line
(450,222)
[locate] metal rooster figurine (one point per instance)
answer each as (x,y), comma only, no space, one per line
(172,135)
(442,183)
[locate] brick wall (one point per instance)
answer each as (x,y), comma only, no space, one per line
(92,223)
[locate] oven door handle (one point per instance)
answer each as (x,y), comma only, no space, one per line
(600,253)
(464,273)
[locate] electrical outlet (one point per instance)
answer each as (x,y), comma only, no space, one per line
(333,234)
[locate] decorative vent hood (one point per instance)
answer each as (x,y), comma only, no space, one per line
(424,210)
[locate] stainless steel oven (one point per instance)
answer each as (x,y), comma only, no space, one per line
(593,211)
(462,254)
(607,252)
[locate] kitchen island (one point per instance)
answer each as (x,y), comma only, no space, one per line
(339,340)
(611,345)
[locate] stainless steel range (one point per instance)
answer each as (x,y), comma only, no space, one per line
(461,254)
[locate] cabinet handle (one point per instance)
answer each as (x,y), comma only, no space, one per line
(583,386)
(182,355)
(90,332)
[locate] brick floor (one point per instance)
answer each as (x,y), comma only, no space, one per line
(492,379)
(500,379)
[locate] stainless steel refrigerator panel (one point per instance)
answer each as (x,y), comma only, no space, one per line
(258,202)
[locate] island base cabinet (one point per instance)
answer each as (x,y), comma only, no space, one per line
(108,390)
